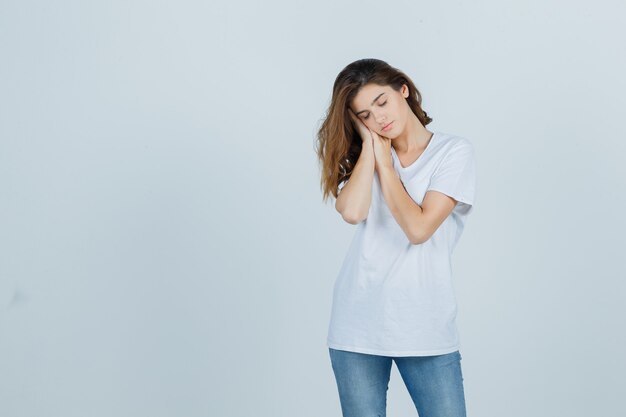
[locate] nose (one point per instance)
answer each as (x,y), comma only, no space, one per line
(380,118)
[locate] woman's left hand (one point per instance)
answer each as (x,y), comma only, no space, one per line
(382,151)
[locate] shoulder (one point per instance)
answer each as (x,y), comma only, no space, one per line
(450,144)
(449,141)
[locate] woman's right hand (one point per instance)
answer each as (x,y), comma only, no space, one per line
(364,131)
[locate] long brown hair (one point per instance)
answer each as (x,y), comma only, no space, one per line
(338,142)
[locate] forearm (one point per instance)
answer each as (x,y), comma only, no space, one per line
(355,197)
(405,210)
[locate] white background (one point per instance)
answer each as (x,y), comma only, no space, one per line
(164,247)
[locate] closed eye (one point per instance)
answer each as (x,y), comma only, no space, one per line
(381,105)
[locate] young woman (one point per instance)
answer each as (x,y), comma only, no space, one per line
(409,191)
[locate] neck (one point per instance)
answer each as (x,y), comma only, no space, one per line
(414,137)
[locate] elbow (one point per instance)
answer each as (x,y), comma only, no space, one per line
(415,241)
(417,238)
(352,218)
(350,215)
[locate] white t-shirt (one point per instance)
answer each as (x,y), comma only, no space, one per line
(395,298)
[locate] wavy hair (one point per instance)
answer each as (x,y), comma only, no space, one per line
(338,141)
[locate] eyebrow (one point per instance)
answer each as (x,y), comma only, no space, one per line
(373,101)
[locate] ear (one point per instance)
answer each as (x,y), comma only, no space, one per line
(405,91)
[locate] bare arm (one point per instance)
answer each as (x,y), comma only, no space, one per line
(354,199)
(418,223)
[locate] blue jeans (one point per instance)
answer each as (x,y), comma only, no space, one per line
(435,383)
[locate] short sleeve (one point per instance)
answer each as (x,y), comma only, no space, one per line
(456,174)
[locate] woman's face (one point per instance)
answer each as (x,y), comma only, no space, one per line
(382,106)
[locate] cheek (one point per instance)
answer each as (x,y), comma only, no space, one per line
(399,110)
(400,114)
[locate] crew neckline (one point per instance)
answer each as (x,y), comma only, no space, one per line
(419,158)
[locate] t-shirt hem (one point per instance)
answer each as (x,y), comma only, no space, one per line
(393,352)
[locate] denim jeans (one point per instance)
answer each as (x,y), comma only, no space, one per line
(435,383)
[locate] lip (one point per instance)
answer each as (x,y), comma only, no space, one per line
(387,127)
